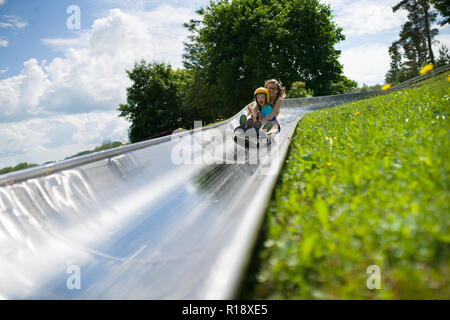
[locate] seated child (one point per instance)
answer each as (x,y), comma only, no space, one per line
(258,112)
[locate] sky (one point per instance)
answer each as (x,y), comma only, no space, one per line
(62,64)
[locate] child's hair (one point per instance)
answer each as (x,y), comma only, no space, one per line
(281,92)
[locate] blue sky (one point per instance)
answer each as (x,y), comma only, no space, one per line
(60,87)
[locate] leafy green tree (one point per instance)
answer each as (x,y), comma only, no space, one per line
(239,44)
(154,101)
(298,90)
(342,84)
(201,101)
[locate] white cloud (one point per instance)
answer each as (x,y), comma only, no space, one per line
(19,95)
(3,71)
(3,42)
(369,17)
(91,75)
(370,27)
(55,138)
(2,2)
(63,44)
(444,39)
(53,109)
(143,5)
(94,77)
(13,22)
(369,63)
(335,3)
(366,63)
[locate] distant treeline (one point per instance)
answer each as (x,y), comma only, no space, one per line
(366,88)
(20,166)
(105,146)
(25,165)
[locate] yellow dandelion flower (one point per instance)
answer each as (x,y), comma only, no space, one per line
(329,163)
(448,77)
(426,68)
(386,87)
(357,112)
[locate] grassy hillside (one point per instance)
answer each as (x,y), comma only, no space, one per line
(20,166)
(364,184)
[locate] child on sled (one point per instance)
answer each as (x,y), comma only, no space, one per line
(259,112)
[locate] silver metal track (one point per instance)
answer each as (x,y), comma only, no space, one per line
(172,218)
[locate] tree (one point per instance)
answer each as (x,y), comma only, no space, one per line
(366,88)
(414,48)
(396,63)
(154,100)
(444,57)
(443,6)
(416,30)
(201,101)
(239,44)
(298,90)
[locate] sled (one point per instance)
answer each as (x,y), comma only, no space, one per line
(251,138)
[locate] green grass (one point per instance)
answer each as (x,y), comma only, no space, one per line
(20,166)
(365,183)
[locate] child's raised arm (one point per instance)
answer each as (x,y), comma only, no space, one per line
(251,110)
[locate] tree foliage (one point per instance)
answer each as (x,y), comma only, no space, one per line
(444,56)
(231,50)
(443,6)
(298,90)
(239,44)
(154,99)
(414,47)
